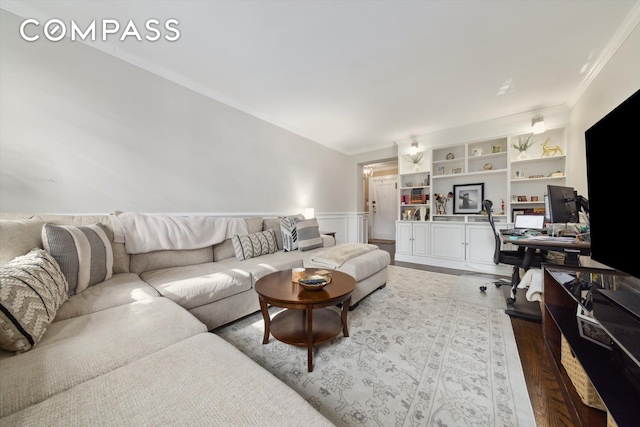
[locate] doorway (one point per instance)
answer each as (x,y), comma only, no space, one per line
(382,207)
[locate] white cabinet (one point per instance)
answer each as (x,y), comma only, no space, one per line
(480,243)
(448,241)
(412,238)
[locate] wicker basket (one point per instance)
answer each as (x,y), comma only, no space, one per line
(579,378)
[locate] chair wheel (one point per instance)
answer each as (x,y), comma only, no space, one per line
(483,288)
(498,284)
(511,300)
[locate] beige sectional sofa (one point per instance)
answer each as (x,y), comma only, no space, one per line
(135,349)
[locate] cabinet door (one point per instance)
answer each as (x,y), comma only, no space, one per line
(480,244)
(404,236)
(421,239)
(447,241)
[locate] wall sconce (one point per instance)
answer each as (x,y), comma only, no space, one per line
(367,172)
(309,213)
(537,125)
(413,150)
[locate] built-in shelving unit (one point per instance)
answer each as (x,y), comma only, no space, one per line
(514,182)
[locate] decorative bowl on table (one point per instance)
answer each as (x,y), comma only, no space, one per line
(314,282)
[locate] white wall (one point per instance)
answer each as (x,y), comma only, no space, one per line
(83,132)
(617,80)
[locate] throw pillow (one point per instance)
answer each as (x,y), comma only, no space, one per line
(253,245)
(308,234)
(84,254)
(289,233)
(32,287)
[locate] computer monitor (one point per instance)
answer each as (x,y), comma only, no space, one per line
(562,207)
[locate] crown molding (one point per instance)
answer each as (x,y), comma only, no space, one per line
(627,26)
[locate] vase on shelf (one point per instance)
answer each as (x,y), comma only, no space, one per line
(416,167)
(523,155)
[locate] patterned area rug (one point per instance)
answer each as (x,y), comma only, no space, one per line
(427,350)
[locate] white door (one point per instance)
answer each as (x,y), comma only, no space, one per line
(382,211)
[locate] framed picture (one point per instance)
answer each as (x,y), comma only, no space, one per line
(467,198)
(440,170)
(591,330)
(496,148)
(456,170)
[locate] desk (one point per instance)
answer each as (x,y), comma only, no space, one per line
(571,249)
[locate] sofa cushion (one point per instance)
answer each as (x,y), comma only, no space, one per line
(289,232)
(18,237)
(200,381)
(123,288)
(308,234)
(253,245)
(78,349)
(83,253)
(274,224)
(196,285)
(166,259)
(259,267)
(32,287)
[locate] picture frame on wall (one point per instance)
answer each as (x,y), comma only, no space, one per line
(467,198)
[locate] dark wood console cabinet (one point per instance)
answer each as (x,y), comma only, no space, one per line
(615,387)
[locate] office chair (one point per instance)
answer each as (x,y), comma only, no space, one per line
(521,258)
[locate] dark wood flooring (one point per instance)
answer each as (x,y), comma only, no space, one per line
(553,404)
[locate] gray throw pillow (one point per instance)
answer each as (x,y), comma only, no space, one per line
(84,254)
(308,234)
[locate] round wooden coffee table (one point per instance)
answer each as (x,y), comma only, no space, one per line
(305,321)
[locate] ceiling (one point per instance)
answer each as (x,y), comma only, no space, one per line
(358,75)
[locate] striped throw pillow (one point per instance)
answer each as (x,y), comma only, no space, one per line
(84,254)
(32,287)
(253,245)
(289,232)
(308,234)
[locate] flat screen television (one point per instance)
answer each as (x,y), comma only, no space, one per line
(561,204)
(612,178)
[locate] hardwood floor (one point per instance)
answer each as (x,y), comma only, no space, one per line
(552,403)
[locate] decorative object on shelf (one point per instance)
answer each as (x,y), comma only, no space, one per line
(441,202)
(468,198)
(496,148)
(450,156)
(534,198)
(488,166)
(536,176)
(524,143)
(556,174)
(456,170)
(440,170)
(408,184)
(550,151)
(476,152)
(519,174)
(514,198)
(415,159)
(522,198)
